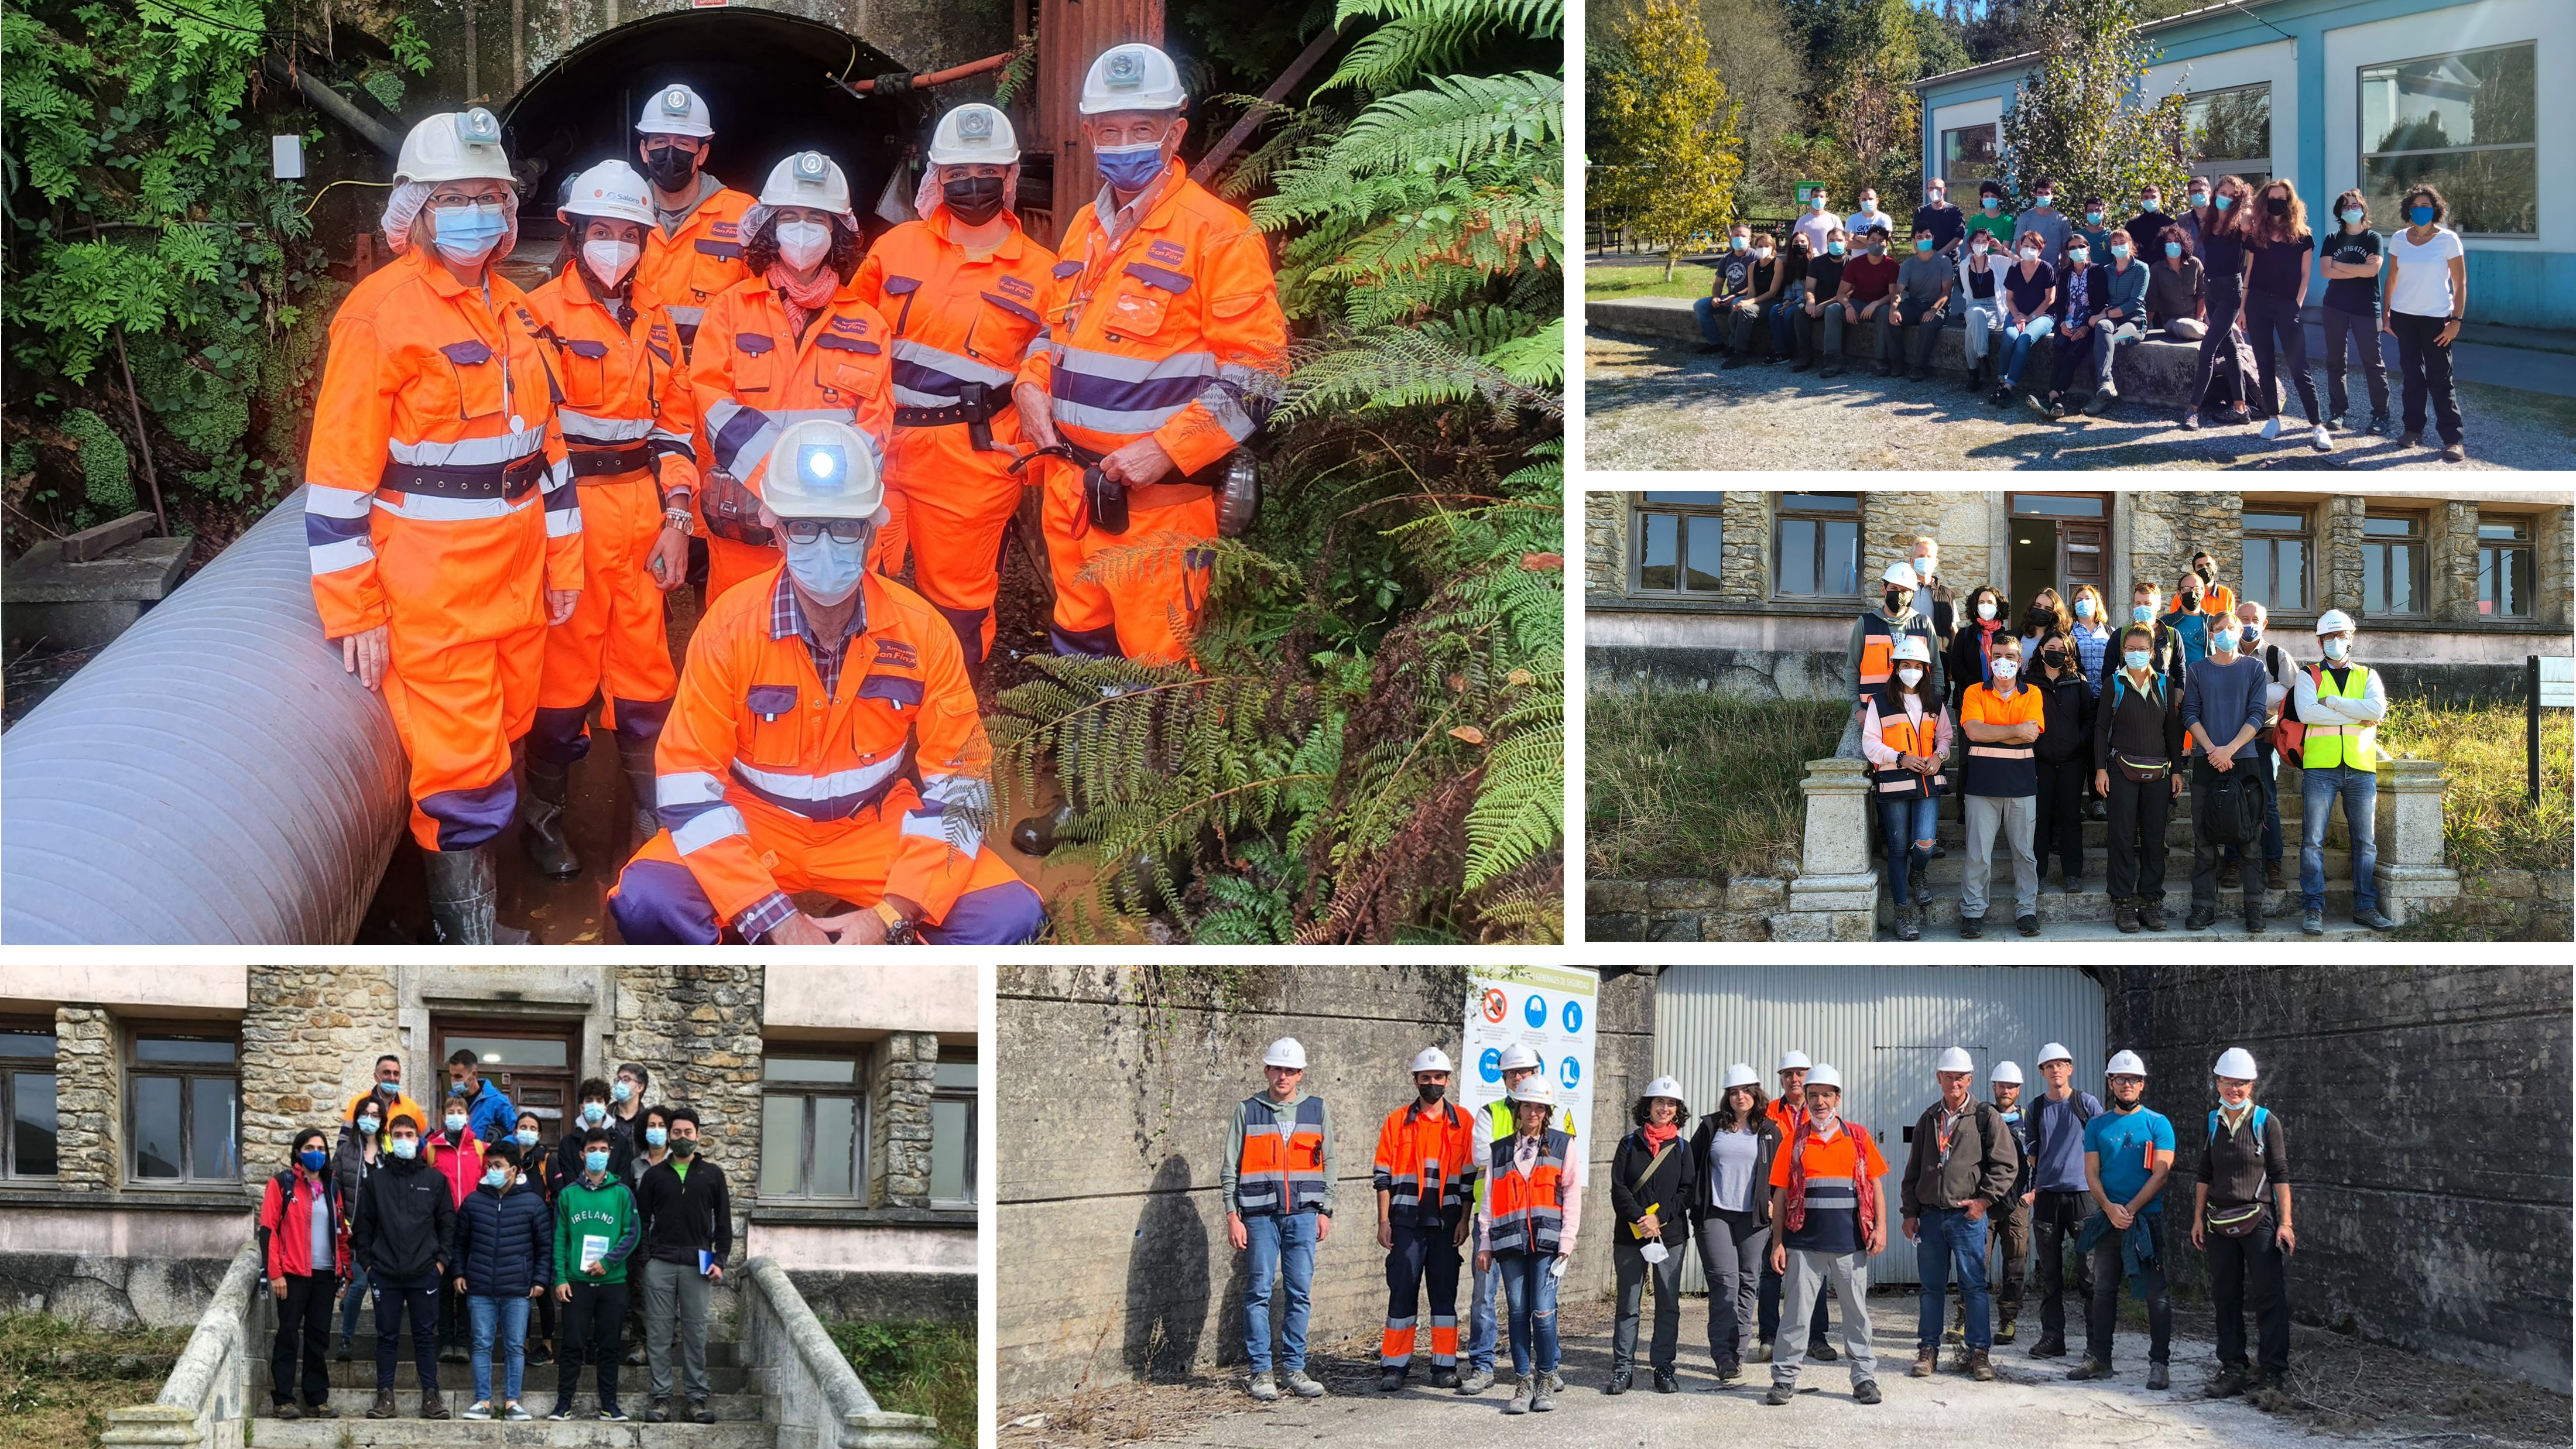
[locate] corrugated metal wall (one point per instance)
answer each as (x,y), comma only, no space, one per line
(1882,1026)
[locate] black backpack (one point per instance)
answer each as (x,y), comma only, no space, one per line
(2232,809)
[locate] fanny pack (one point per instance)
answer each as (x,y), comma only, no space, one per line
(2237,1222)
(2141,772)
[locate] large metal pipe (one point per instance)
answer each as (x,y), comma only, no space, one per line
(212,777)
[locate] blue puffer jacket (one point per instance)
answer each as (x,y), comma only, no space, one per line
(504,1242)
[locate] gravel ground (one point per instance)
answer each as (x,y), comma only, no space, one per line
(1657,406)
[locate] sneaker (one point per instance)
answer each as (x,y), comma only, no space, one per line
(2191,420)
(2373,919)
(1304,1387)
(2380,424)
(562,1410)
(2002,394)
(383,1408)
(2091,1368)
(2008,1330)
(1390,1381)
(2335,421)
(611,1414)
(2041,408)
(2228,1384)
(1520,1403)
(2454,453)
(2319,441)
(1779,1394)
(1475,1381)
(1881,369)
(344,1350)
(479,1409)
(1866,1392)
(515,1414)
(635,1355)
(1265,1388)
(1834,371)
(1664,1383)
(2312,922)
(1981,1366)
(1971,927)
(1730,364)
(2159,1377)
(1925,1364)
(1762,1352)
(702,1412)
(2049,1346)
(451,1354)
(1544,1401)
(2026,924)
(2271,428)
(1918,375)
(1621,1380)
(2409,440)
(2151,914)
(1822,1353)
(1729,1370)
(2097,405)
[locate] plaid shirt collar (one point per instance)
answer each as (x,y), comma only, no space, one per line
(787,620)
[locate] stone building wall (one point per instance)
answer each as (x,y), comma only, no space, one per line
(1962,523)
(2554,554)
(2451,562)
(1605,542)
(2338,530)
(900,1113)
(309,1042)
(700,1027)
(1744,548)
(88,1095)
(2166,528)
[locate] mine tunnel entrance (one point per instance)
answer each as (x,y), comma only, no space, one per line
(766,76)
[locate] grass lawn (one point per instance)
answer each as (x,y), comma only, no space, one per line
(58,1379)
(1690,279)
(2488,822)
(917,1368)
(1692,784)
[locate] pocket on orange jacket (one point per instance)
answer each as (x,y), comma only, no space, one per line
(851,379)
(773,726)
(1138,311)
(474,375)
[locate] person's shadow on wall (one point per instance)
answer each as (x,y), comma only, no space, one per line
(1168,1282)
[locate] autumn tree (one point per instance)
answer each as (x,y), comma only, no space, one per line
(2081,114)
(1670,154)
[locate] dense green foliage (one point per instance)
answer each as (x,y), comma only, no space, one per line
(1371,743)
(1697,783)
(1671,155)
(916,1368)
(2081,114)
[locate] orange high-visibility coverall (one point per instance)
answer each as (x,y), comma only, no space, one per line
(439,504)
(1170,327)
(754,378)
(687,268)
(772,781)
(627,414)
(958,320)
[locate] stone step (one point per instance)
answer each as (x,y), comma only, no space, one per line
(353,1405)
(1947,872)
(360,1373)
(2055,907)
(414,1433)
(721,1352)
(2058,935)
(1953,834)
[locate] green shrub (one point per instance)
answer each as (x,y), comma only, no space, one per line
(1698,784)
(105,468)
(917,1368)
(2488,819)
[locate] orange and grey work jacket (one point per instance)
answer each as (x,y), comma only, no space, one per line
(1527,1210)
(1279,1158)
(754,377)
(1165,322)
(1426,1163)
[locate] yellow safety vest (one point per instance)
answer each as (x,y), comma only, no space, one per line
(2353,746)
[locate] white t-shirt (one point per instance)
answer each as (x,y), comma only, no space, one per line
(2423,286)
(1813,224)
(1859,223)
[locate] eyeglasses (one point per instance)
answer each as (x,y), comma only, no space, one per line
(806,530)
(446,199)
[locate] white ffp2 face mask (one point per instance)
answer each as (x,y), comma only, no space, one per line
(610,260)
(1910,676)
(802,243)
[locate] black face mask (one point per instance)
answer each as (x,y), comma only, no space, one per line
(1897,599)
(670,167)
(684,1147)
(974,200)
(2277,205)
(2206,575)
(1431,1095)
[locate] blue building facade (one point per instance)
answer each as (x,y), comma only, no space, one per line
(2478,97)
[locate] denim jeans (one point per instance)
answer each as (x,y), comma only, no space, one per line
(1531,1287)
(1718,320)
(509,1318)
(2359,790)
(350,1304)
(1907,826)
(1783,319)
(1278,1243)
(1948,1240)
(2018,344)
(1482,1325)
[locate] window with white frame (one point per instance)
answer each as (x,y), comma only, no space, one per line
(813,1128)
(2466,124)
(2231,132)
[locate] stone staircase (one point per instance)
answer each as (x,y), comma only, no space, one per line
(744,1419)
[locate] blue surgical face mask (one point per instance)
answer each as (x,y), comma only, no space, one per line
(2135,658)
(828,568)
(2084,608)
(2044,202)
(1739,243)
(2079,256)
(527,1136)
(2092,218)
(467,234)
(2226,640)
(2119,252)
(593,1113)
(496,1177)
(2352,215)
(2222,201)
(1834,248)
(1990,202)
(2420,215)
(620,1090)
(655,1136)
(2252,632)
(406,1147)
(1816,203)
(2142,613)
(1130,168)
(314,1159)
(456,1089)
(595,1161)
(2173,249)
(1923,243)
(369,1125)
(455,1121)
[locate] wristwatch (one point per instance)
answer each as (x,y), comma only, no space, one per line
(681,519)
(898,930)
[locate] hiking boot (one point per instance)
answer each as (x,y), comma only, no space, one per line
(2026,924)
(1918,885)
(434,1406)
(2049,1346)
(2151,914)
(2254,915)
(2201,918)
(1444,1378)
(1778,1394)
(1925,1365)
(1520,1403)
(1552,1381)
(2006,1332)
(1263,1387)
(2228,1384)
(1389,1381)
(1729,1370)
(1544,1400)
(320,1411)
(344,1350)
(1664,1383)
(2373,919)
(1971,927)
(2124,914)
(635,1355)
(1475,1381)
(286,1410)
(1304,1387)
(1907,928)
(2272,876)
(383,1407)
(2454,453)
(1981,1365)
(2074,884)
(702,1412)
(659,1410)
(1822,1352)
(2091,1368)
(2159,1377)
(2409,440)
(1866,1392)
(2312,922)
(1621,1380)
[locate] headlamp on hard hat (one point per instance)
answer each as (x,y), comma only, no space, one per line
(822,462)
(479,125)
(810,166)
(1126,71)
(675,101)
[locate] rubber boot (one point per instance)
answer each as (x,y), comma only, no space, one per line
(541,820)
(1036,835)
(635,757)
(461,895)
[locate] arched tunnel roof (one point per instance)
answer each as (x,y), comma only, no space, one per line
(763,75)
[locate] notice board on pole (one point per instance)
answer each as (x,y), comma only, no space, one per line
(1549,1009)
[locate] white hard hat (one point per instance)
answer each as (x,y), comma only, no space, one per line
(1739,1075)
(1663,1087)
(1824,1075)
(1794,1061)
(974,133)
(1432,1059)
(1286,1052)
(2055,1053)
(675,110)
(1535,1089)
(808,178)
(454,146)
(2235,1062)
(609,189)
(2334,621)
(822,468)
(1911,647)
(2125,1064)
(1519,1058)
(1955,1059)
(2006,1072)
(1902,575)
(1132,77)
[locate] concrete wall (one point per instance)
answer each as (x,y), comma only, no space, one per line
(1114,1262)
(2427,1116)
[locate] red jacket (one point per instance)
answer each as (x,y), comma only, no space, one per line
(283,1215)
(461,1164)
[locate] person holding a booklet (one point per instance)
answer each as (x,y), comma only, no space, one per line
(1654,1180)
(688,1233)
(597,1228)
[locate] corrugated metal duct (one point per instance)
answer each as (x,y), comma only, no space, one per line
(1883,1026)
(212,777)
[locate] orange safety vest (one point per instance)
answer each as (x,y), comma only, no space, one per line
(1425,1159)
(1528,1212)
(687,270)
(1906,737)
(1878,636)
(1280,1173)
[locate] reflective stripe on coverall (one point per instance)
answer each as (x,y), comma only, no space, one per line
(1172,330)
(425,373)
(956,319)
(767,785)
(687,270)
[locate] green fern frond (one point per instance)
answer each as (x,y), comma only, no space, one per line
(1421,36)
(1400,368)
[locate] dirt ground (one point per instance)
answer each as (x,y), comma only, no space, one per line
(2342,1390)
(1664,406)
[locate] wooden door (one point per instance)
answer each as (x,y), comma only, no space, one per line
(534,1063)
(2083,557)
